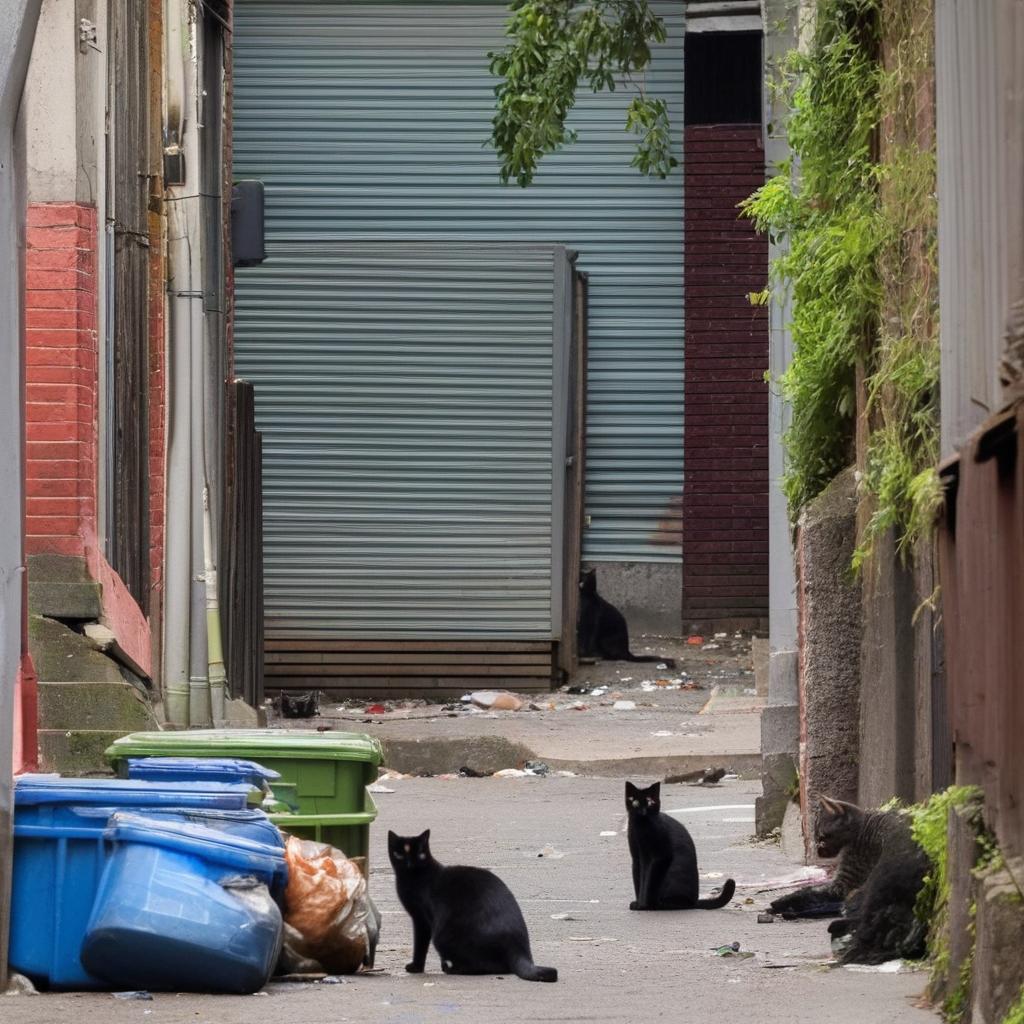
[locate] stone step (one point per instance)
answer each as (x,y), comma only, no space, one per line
(88,705)
(59,587)
(76,751)
(61,655)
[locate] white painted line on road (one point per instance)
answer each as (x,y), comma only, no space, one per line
(709,810)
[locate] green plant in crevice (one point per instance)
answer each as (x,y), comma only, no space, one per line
(823,206)
(1015,1015)
(929,824)
(856,212)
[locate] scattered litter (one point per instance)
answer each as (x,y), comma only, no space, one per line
(733,950)
(695,641)
(595,939)
(429,984)
(378,788)
(889,967)
(765,918)
(536,768)
(568,689)
(775,965)
(809,875)
(376,709)
(712,874)
(840,944)
(609,833)
(579,706)
(19,985)
(391,776)
(662,666)
(564,917)
(551,853)
(493,700)
(720,636)
(141,996)
(510,773)
(624,679)
(334,979)
(565,775)
(662,733)
(711,777)
(599,691)
(624,705)
(470,773)
(710,647)
(300,705)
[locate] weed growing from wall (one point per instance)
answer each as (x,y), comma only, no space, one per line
(855,210)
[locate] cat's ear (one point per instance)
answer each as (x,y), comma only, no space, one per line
(424,838)
(834,808)
(392,838)
(655,790)
(631,789)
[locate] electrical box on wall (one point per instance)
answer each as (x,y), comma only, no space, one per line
(247,248)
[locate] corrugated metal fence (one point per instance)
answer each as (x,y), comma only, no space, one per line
(367,122)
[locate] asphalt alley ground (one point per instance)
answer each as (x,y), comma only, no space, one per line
(614,965)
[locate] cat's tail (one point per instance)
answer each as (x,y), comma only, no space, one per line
(526,969)
(721,899)
(667,662)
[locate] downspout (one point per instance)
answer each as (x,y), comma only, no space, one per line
(185,646)
(18,20)
(218,676)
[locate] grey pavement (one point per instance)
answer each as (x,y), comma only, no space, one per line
(614,965)
(672,729)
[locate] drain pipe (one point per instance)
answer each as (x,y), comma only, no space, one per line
(185,668)
(218,675)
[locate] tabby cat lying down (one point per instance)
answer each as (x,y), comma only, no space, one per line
(880,872)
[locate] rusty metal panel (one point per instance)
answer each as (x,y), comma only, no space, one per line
(982,565)
(978,79)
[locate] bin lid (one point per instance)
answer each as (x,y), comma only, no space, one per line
(33,790)
(250,743)
(203,768)
(224,849)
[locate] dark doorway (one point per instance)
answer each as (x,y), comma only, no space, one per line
(723,78)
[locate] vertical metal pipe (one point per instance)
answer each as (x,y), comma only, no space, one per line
(18,20)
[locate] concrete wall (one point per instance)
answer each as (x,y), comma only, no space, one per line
(649,594)
(780,724)
(829,601)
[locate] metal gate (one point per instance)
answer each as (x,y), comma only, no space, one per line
(414,405)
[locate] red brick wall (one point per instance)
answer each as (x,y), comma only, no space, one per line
(725,445)
(61,378)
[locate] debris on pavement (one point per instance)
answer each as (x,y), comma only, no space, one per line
(376,709)
(609,833)
(624,705)
(139,996)
(551,853)
(711,777)
(765,918)
(378,788)
(564,917)
(695,641)
(732,950)
(809,875)
(536,768)
(510,773)
(300,705)
(19,985)
(466,772)
(331,925)
(495,700)
(889,967)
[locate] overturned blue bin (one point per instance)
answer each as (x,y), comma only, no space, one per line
(199,769)
(59,856)
(184,907)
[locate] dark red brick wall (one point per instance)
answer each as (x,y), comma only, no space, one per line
(725,439)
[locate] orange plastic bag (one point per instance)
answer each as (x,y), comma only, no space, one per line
(330,921)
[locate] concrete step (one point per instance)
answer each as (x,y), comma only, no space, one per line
(61,655)
(86,705)
(59,587)
(75,751)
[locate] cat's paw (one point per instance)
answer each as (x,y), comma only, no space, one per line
(414,968)
(634,905)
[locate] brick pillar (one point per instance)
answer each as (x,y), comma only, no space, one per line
(725,439)
(61,378)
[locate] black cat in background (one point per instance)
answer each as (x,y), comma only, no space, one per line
(602,631)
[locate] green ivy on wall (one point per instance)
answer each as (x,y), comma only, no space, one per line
(855,211)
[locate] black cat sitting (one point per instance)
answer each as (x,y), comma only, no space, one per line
(664,858)
(602,631)
(879,875)
(469,913)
